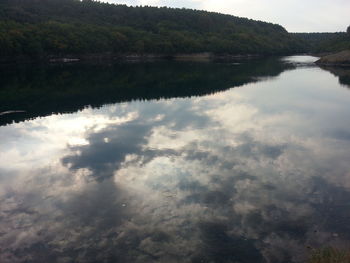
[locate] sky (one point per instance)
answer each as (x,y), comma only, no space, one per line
(294,15)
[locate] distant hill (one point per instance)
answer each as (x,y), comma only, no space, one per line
(41,28)
(324,42)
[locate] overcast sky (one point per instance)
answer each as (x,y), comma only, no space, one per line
(294,15)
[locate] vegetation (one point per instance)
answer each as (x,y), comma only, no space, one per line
(329,255)
(42,28)
(325,42)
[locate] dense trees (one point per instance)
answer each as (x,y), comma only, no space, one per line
(325,42)
(342,42)
(39,28)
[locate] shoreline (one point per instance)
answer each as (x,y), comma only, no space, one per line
(109,57)
(340,59)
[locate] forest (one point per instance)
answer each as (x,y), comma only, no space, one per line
(325,42)
(56,28)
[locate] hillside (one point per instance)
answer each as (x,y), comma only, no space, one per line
(324,42)
(42,28)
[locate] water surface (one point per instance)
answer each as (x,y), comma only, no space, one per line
(173,162)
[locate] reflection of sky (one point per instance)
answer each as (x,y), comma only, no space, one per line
(257,172)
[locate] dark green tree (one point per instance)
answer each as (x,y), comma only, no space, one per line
(46,28)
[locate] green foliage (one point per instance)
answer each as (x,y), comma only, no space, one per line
(324,42)
(41,28)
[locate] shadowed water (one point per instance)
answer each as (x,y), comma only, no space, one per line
(188,162)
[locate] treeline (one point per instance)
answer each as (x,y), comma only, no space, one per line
(325,42)
(41,28)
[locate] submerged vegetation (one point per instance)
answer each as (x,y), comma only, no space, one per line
(42,28)
(329,255)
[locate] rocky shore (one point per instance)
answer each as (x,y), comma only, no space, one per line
(338,59)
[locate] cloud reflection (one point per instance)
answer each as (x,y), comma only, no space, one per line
(222,178)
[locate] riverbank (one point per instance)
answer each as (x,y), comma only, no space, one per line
(338,59)
(102,57)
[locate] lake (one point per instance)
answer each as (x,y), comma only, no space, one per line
(246,161)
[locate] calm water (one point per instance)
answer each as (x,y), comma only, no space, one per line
(174,162)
